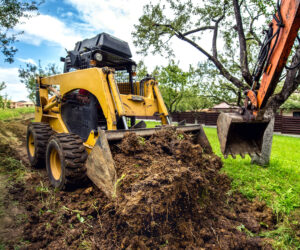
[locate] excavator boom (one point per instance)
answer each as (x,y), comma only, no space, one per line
(242,133)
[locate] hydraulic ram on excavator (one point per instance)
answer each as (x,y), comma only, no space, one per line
(242,133)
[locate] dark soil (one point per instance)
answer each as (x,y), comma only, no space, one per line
(170,195)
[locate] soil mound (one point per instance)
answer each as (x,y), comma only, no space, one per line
(170,194)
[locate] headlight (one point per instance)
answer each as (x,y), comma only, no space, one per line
(98,57)
(133,68)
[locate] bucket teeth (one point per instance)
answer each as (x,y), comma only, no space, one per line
(239,136)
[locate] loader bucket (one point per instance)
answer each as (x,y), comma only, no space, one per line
(238,136)
(100,164)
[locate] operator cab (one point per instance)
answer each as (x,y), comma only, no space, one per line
(81,111)
(102,50)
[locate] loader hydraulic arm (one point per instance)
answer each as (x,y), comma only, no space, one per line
(274,54)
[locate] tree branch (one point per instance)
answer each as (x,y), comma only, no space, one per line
(242,40)
(217,63)
(198,29)
(215,36)
(251,30)
(215,98)
(292,82)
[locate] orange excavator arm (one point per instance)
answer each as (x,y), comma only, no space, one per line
(285,27)
(243,133)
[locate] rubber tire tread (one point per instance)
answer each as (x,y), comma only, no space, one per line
(73,158)
(41,133)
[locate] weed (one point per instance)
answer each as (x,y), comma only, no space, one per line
(48,226)
(165,244)
(80,218)
(85,245)
(141,140)
(42,188)
(71,210)
(117,184)
(180,137)
(242,228)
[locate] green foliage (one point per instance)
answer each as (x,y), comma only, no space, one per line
(215,89)
(142,71)
(11,12)
(292,103)
(28,76)
(174,84)
(179,88)
(2,98)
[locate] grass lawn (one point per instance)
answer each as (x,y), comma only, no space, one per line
(277,184)
(14,113)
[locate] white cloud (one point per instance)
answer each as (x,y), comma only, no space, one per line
(9,75)
(41,28)
(112,16)
(29,60)
(14,88)
(118,18)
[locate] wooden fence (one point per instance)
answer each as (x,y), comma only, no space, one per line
(283,124)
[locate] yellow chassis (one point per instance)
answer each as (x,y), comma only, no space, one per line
(101,83)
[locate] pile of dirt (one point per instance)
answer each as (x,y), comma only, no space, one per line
(170,194)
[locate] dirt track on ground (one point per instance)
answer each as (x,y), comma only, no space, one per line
(170,195)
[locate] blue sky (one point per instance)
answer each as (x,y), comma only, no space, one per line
(61,24)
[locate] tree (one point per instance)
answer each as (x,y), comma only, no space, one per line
(2,98)
(28,76)
(231,23)
(11,12)
(195,95)
(174,84)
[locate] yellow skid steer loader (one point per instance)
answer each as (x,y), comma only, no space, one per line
(92,104)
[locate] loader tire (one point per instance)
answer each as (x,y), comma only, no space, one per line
(65,161)
(38,134)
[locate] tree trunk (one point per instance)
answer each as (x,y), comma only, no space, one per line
(264,158)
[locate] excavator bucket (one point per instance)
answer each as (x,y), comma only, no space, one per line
(100,164)
(238,136)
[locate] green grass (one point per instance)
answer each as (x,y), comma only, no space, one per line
(277,184)
(151,124)
(14,113)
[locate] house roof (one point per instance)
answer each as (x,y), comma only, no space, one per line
(222,105)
